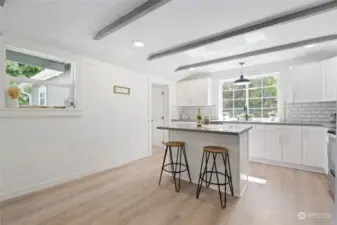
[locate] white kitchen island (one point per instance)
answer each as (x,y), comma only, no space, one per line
(235,137)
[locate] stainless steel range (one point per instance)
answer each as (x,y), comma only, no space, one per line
(331,160)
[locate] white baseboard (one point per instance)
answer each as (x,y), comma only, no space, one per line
(61,180)
(288,165)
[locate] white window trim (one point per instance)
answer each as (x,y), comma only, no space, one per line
(39,112)
(222,81)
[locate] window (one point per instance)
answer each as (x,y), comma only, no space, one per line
(44,82)
(260,96)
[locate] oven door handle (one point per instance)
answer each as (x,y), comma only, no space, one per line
(332,173)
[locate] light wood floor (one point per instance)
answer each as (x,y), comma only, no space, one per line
(131,195)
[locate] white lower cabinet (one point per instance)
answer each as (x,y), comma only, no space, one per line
(273,144)
(256,142)
(298,146)
(314,146)
(292,145)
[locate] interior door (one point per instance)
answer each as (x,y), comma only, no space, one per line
(157,116)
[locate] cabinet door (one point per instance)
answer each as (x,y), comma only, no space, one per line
(199,92)
(292,147)
(256,142)
(182,94)
(273,144)
(307,83)
(330,79)
(313,146)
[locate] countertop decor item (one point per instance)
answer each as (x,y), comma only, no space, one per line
(13,96)
(121,90)
(207,120)
(199,118)
(272,115)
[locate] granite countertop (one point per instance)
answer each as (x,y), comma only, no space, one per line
(286,123)
(226,129)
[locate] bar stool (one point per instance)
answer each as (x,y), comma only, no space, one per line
(174,165)
(216,150)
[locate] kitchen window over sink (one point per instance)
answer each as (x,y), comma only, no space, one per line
(37,81)
(260,97)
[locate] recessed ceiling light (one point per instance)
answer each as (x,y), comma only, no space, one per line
(255,37)
(191,69)
(310,46)
(138,44)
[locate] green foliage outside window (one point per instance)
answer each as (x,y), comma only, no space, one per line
(16,69)
(260,96)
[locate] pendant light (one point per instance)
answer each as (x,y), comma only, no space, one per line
(241,80)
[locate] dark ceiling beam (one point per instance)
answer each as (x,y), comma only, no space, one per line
(277,19)
(261,51)
(2,3)
(131,16)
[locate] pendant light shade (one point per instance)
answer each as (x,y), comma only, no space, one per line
(241,80)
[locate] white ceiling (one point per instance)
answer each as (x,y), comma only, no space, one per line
(71,24)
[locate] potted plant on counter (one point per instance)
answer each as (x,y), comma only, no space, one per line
(272,115)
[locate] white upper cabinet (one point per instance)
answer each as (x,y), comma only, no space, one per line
(313,82)
(194,92)
(330,79)
(307,83)
(183,98)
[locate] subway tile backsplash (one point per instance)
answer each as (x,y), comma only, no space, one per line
(309,112)
(191,111)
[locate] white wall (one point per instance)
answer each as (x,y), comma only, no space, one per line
(114,129)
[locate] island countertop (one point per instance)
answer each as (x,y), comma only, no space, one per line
(226,129)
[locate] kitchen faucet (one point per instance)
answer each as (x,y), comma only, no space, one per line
(246,112)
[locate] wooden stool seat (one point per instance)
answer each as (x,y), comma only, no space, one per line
(175,144)
(215,149)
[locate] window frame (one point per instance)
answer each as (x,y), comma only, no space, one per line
(278,106)
(40,112)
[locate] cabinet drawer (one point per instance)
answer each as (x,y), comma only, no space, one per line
(285,128)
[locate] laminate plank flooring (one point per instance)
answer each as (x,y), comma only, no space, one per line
(130,195)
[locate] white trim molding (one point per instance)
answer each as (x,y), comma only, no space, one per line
(37,112)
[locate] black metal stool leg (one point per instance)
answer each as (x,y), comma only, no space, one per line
(172,166)
(223,202)
(178,161)
(230,173)
(162,167)
(202,163)
(186,161)
(201,175)
(210,178)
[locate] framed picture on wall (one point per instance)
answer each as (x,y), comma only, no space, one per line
(121,90)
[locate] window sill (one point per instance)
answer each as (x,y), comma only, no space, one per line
(21,112)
